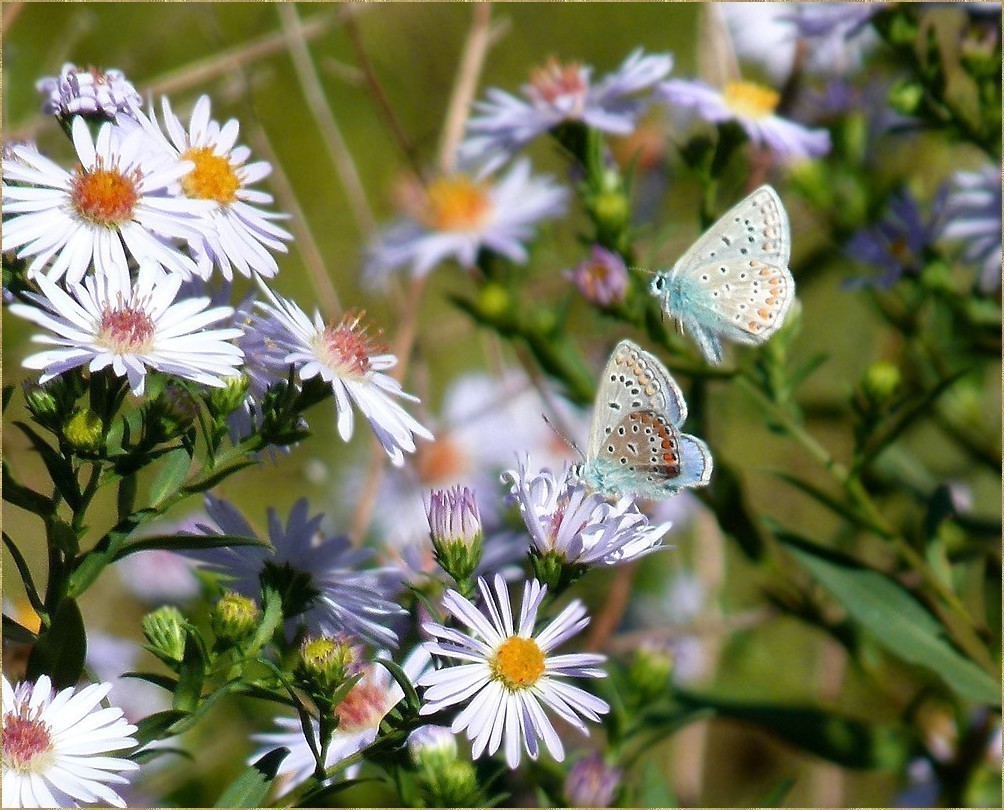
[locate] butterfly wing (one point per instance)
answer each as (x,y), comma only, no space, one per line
(734,280)
(633,380)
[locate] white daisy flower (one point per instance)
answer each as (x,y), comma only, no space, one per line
(457,215)
(322,573)
(239,234)
(558,93)
(132,327)
(581,527)
(359,718)
(113,201)
(345,356)
(88,92)
(508,673)
(56,746)
(752,106)
(973,216)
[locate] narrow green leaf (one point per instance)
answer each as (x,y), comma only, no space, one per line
(319,796)
(831,502)
(655,792)
(252,784)
(155,726)
(171,475)
(776,795)
(398,674)
(60,470)
(24,497)
(183,542)
(17,632)
(213,479)
(22,568)
(60,651)
(271,619)
(899,623)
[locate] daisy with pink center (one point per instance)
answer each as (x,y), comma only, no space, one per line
(345,356)
(111,321)
(56,746)
(239,233)
(115,201)
(508,673)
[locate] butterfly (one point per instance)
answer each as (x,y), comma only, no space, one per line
(635,444)
(734,281)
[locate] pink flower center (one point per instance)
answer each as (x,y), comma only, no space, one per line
(126,330)
(364,707)
(105,196)
(26,742)
(345,348)
(554,82)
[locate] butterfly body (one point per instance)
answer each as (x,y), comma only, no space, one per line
(734,281)
(636,446)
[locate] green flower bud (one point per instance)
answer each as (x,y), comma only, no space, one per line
(650,670)
(612,210)
(327,661)
(882,381)
(42,404)
(455,528)
(554,570)
(433,747)
(224,401)
(234,617)
(165,630)
(458,786)
(906,97)
(494,301)
(84,431)
(176,410)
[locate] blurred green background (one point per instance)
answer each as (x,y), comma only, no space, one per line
(192,48)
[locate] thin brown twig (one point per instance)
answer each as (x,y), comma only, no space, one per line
(380,97)
(701,628)
(317,102)
(324,287)
(472,61)
(609,617)
(10,13)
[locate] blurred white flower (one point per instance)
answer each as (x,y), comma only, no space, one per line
(88,92)
(158,576)
(973,217)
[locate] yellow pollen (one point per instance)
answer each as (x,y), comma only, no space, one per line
(457,203)
(105,196)
(213,178)
(751,100)
(518,662)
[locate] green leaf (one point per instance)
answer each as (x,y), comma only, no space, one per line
(24,497)
(831,502)
(655,792)
(897,621)
(60,651)
(727,500)
(252,784)
(843,740)
(191,675)
(60,469)
(319,796)
(410,695)
(171,475)
(16,632)
(777,794)
(212,480)
(271,620)
(22,568)
(182,542)
(155,726)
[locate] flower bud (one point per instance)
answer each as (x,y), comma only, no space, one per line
(224,401)
(591,782)
(612,210)
(165,630)
(84,431)
(176,410)
(882,380)
(455,528)
(327,661)
(42,404)
(602,278)
(494,302)
(650,670)
(433,747)
(906,97)
(234,617)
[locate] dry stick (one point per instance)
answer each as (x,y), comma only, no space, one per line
(10,13)
(324,287)
(199,73)
(478,41)
(318,104)
(613,607)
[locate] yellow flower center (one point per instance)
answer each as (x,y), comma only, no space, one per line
(457,203)
(751,100)
(518,662)
(126,330)
(213,178)
(105,196)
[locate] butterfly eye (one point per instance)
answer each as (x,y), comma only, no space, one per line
(658,282)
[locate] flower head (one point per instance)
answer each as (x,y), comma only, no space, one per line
(114,201)
(602,278)
(753,107)
(457,215)
(557,93)
(591,782)
(132,327)
(344,355)
(88,92)
(56,746)
(579,526)
(973,216)
(509,672)
(320,578)
(238,233)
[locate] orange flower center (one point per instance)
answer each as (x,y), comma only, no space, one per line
(518,663)
(213,178)
(554,80)
(750,100)
(105,196)
(443,460)
(364,707)
(346,348)
(126,330)
(26,742)
(457,203)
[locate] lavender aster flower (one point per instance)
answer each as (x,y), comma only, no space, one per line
(897,244)
(320,578)
(752,106)
(557,93)
(973,214)
(88,92)
(591,782)
(602,278)
(831,20)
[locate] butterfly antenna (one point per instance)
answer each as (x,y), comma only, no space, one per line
(644,270)
(563,437)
